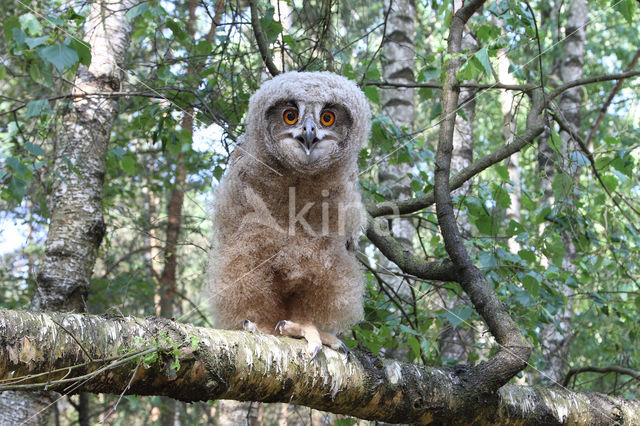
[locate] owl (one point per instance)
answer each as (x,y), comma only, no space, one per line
(287,213)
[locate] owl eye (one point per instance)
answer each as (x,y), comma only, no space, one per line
(290,116)
(327,118)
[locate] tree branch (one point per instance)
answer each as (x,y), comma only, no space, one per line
(603,370)
(605,106)
(405,259)
(222,364)
(517,87)
(534,128)
(597,79)
(514,349)
(262,43)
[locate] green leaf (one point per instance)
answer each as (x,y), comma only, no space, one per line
(501,196)
(414,344)
(429,73)
(83,49)
(29,22)
(371,93)
(457,317)
(34,149)
(19,36)
(562,185)
(52,19)
(482,56)
(136,11)
(35,108)
(270,26)
(528,255)
(487,33)
(502,171)
(203,47)
(177,30)
(40,72)
(20,169)
(514,228)
(531,283)
(409,330)
(60,55)
(35,42)
(17,189)
(626,8)
(578,158)
(468,71)
(8,25)
(128,164)
(611,182)
(487,225)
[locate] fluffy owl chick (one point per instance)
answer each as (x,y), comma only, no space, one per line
(287,212)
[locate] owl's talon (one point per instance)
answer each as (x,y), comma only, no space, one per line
(249,326)
(314,351)
(344,347)
(277,329)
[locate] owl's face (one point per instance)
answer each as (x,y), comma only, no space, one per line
(307,122)
(309,133)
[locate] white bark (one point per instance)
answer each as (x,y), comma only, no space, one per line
(556,340)
(398,105)
(507,104)
(76,227)
(254,366)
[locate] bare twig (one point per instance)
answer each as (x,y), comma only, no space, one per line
(597,79)
(604,370)
(607,103)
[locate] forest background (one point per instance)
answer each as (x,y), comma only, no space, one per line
(136,106)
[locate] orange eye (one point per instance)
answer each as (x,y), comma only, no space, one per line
(327,118)
(290,116)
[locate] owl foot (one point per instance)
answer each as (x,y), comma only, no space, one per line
(333,342)
(250,326)
(314,337)
(308,331)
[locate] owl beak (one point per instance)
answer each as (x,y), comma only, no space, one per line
(308,138)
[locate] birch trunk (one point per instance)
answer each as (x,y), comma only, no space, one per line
(76,226)
(398,105)
(507,105)
(556,340)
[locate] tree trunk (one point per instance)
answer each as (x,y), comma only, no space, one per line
(398,105)
(556,340)
(508,105)
(76,226)
(240,365)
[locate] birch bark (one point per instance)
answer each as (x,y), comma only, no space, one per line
(77,226)
(557,339)
(398,104)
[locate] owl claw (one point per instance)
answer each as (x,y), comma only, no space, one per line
(249,326)
(344,347)
(314,349)
(277,330)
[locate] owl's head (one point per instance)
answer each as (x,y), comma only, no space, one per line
(308,121)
